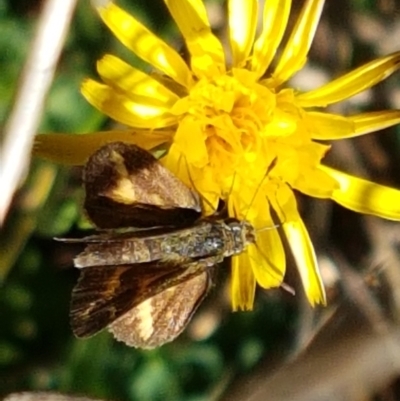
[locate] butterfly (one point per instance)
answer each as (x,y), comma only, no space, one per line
(144,283)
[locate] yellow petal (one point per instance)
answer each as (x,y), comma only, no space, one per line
(145,44)
(315,183)
(134,83)
(202,180)
(352,83)
(276,14)
(175,162)
(190,140)
(295,52)
(284,204)
(146,112)
(279,199)
(242,28)
(307,265)
(243,283)
(373,121)
(75,149)
(267,258)
(365,196)
(326,126)
(191,18)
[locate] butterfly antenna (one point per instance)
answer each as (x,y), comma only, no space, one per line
(286,287)
(273,268)
(270,167)
(223,211)
(274,218)
(204,199)
(266,258)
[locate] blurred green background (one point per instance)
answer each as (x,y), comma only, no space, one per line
(37,348)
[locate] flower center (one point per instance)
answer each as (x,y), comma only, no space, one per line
(242,129)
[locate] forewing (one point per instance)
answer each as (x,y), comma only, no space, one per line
(104,293)
(127,187)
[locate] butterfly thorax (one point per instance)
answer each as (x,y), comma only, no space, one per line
(238,234)
(210,236)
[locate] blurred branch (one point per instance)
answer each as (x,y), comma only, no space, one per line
(41,396)
(35,81)
(348,360)
(18,228)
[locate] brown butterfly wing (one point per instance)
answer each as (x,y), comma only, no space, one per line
(126,186)
(105,293)
(163,317)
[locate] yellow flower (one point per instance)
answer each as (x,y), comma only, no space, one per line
(234,130)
